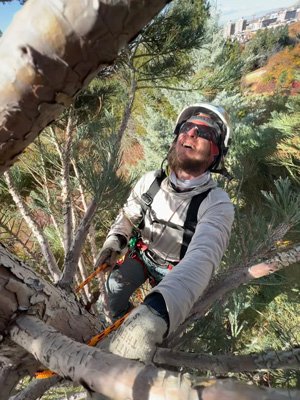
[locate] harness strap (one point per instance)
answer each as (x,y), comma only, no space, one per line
(147,198)
(191,221)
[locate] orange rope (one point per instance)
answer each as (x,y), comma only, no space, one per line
(92,342)
(96,339)
(102,267)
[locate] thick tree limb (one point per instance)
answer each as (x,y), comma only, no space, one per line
(120,378)
(221,364)
(22,290)
(44,67)
(232,390)
(100,372)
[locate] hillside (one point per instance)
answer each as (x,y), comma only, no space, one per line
(281,73)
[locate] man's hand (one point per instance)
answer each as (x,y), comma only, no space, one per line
(113,247)
(139,335)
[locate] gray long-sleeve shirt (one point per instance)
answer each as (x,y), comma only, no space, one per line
(185,283)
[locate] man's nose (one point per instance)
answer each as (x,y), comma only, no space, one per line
(192,132)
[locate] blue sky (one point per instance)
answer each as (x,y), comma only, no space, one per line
(230,9)
(7,12)
(235,9)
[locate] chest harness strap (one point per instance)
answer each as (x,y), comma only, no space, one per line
(191,216)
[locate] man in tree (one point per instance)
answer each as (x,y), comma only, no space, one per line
(183,222)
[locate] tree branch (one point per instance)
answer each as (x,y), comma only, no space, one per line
(47,193)
(43,70)
(74,252)
(128,109)
(92,233)
(66,194)
(36,230)
(224,284)
(36,389)
(221,364)
(120,378)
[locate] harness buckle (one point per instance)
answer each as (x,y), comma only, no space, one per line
(147,199)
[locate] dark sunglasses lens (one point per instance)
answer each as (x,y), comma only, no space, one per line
(186,127)
(204,132)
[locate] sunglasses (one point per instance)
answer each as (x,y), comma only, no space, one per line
(202,131)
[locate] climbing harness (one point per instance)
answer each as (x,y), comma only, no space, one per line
(190,222)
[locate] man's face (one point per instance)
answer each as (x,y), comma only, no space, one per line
(191,147)
(191,153)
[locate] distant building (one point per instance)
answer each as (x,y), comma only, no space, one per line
(242,30)
(240,25)
(281,16)
(229,29)
(265,22)
(255,25)
(290,14)
(286,15)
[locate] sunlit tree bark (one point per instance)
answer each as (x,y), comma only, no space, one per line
(44,67)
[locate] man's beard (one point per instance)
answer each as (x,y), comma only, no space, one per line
(191,166)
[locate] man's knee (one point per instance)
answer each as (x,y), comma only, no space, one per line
(121,283)
(115,282)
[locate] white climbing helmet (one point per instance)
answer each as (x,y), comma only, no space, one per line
(218,116)
(217,113)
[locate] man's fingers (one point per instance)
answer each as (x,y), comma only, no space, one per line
(104,257)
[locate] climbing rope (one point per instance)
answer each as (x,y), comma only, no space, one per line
(101,268)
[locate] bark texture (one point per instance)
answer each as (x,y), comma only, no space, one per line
(44,67)
(97,371)
(122,379)
(221,364)
(24,292)
(50,325)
